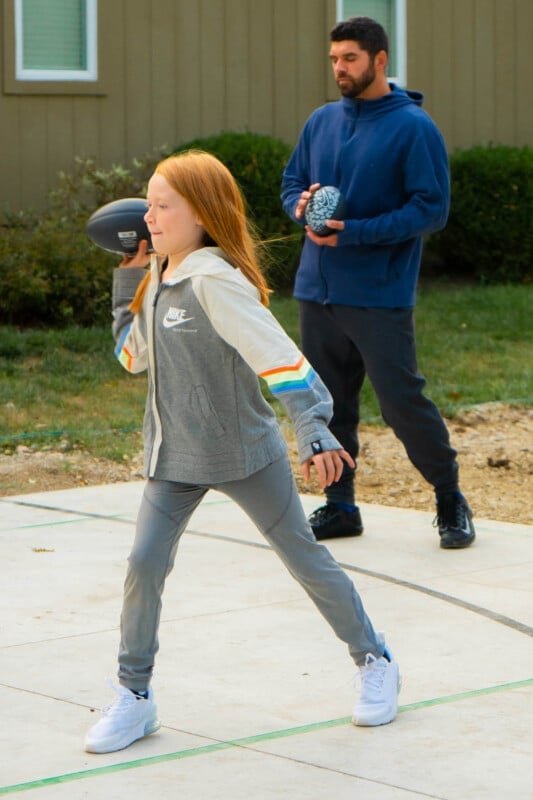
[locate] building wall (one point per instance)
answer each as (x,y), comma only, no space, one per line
(472,60)
(172,70)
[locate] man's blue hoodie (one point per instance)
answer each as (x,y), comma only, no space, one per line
(389,160)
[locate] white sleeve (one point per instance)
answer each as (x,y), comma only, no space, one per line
(245,324)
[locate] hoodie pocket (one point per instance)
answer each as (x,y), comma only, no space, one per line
(213,425)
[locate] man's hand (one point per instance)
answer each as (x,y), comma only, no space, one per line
(304,199)
(332,239)
(140,259)
(328,466)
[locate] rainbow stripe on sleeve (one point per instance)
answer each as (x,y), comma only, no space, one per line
(122,353)
(289,378)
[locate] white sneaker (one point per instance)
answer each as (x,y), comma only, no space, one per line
(125,720)
(380,686)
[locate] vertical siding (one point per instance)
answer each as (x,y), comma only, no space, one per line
(208,57)
(505,72)
(59,136)
(163,53)
(472,59)
(260,54)
(443,72)
(462,124)
(523,71)
(11,149)
(187,79)
(34,148)
(173,70)
(109,140)
(85,125)
(238,81)
(299,48)
(311,43)
(134,114)
(285,70)
(486,57)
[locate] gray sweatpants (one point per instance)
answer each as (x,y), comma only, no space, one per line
(271,500)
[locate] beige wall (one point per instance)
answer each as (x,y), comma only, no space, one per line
(473,61)
(171,70)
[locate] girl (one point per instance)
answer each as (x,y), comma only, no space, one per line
(198,322)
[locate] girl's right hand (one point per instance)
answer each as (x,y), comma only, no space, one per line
(141,257)
(328,465)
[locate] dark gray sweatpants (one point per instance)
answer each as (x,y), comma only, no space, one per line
(271,500)
(343,344)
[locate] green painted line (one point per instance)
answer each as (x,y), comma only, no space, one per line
(247,741)
(453,698)
(66,522)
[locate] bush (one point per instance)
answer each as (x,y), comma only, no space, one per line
(489,234)
(51,273)
(257,163)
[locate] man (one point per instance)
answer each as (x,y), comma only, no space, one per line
(357,285)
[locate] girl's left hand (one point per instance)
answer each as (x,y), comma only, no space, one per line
(328,466)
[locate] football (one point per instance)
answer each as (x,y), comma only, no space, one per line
(119,226)
(326,203)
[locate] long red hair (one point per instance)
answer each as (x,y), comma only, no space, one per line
(213,194)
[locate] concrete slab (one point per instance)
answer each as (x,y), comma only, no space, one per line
(254,691)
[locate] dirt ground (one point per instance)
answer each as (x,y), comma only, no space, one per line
(494,442)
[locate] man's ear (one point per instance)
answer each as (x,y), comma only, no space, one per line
(381,59)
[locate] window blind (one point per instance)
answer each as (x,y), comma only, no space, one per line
(54,34)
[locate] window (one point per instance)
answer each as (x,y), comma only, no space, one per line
(390,14)
(56,40)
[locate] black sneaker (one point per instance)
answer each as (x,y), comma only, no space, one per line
(454,520)
(332,522)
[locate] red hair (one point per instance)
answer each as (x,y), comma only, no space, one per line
(213,194)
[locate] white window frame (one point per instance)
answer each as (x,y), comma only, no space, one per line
(89,74)
(400,41)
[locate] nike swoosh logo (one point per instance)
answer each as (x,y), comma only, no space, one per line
(171,323)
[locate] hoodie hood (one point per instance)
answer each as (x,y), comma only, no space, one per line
(372,109)
(204,261)
(211,261)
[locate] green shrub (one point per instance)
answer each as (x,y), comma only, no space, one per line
(51,273)
(489,234)
(257,163)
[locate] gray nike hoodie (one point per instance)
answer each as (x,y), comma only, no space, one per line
(204,338)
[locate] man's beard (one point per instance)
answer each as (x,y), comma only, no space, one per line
(356,86)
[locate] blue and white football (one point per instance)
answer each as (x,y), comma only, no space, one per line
(119,226)
(326,203)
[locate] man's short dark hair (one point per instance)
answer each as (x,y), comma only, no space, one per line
(368,33)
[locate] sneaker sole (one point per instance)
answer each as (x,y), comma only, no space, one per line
(374,723)
(322,536)
(458,544)
(111,746)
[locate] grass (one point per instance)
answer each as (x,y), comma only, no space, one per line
(64,388)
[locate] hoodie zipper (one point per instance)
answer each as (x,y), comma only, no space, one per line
(357,107)
(158,433)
